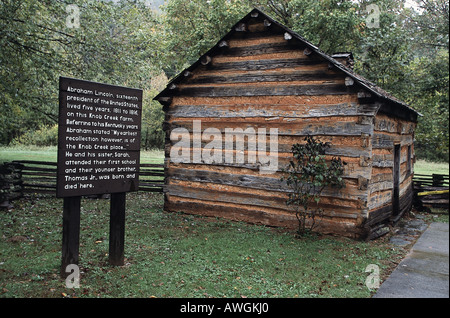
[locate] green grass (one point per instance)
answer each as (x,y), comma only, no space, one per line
(50,154)
(178,255)
(426,167)
(28,153)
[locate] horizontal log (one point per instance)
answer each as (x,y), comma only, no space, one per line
(259,216)
(419,184)
(282,90)
(445,176)
(222,59)
(151,173)
(303,127)
(437,206)
(369,108)
(233,212)
(253,38)
(386,124)
(432,188)
(259,65)
(49,163)
(352,169)
(38,185)
(430,181)
(434,201)
(241,143)
(42,176)
(35,169)
(383,195)
(384,213)
(265,111)
(259,77)
(381,140)
(262,48)
(247,197)
(151,180)
(258,182)
(259,101)
(39,180)
(259,33)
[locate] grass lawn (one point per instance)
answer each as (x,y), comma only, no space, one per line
(178,255)
(425,167)
(50,154)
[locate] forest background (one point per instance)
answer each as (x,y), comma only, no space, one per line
(141,44)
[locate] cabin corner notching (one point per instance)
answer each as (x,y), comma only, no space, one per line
(269,88)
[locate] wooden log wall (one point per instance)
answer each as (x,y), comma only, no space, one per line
(387,132)
(264,78)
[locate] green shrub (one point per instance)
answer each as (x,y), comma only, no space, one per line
(42,137)
(308,174)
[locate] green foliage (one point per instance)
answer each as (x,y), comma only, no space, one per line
(408,56)
(194,26)
(432,100)
(30,42)
(152,134)
(308,174)
(384,51)
(44,136)
(332,25)
(117,42)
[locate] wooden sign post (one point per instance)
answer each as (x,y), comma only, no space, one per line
(99,137)
(117,229)
(71,232)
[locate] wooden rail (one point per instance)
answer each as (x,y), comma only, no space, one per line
(40,177)
(20,177)
(434,180)
(151,177)
(431,191)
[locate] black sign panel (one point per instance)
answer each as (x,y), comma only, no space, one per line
(98,139)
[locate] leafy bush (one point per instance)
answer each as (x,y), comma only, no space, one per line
(42,137)
(308,174)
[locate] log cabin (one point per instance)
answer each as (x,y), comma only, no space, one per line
(263,81)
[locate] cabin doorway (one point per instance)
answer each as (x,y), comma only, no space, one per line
(396,178)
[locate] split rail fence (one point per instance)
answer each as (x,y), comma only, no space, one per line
(18,178)
(431,191)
